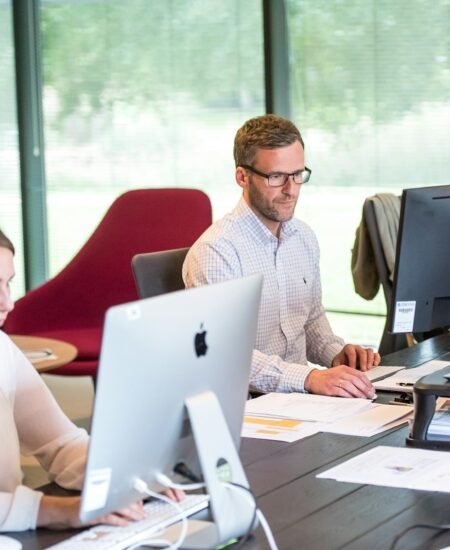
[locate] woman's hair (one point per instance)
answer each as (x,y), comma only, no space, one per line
(6,243)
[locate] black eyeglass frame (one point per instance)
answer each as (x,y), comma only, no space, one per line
(286,176)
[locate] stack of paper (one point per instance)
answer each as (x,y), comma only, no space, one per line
(381,372)
(375,420)
(292,416)
(305,406)
(405,379)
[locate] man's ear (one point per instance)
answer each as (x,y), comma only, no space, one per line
(241,177)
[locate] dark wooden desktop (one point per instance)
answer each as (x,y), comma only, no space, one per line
(321,514)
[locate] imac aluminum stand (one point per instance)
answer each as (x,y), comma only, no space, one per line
(232,510)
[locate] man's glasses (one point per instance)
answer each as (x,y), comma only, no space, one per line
(278,179)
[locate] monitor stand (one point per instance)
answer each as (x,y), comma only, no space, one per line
(232,510)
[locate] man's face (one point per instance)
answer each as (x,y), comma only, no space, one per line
(273,205)
(6,274)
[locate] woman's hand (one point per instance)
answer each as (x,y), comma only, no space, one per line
(63,512)
(175,494)
(122,517)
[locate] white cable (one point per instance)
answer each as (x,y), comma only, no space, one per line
(267,530)
(150,542)
(167,482)
(264,524)
(142,487)
(246,492)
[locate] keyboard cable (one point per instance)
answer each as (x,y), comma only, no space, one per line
(167,482)
(164,480)
(257,514)
(143,488)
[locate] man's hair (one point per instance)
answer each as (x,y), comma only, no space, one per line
(263,132)
(6,243)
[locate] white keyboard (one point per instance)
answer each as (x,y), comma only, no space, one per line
(159,516)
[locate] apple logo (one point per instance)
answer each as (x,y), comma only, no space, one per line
(200,342)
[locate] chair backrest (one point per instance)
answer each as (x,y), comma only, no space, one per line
(99,276)
(158,272)
(380,260)
(389,342)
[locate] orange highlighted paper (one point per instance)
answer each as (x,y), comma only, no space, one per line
(286,423)
(277,429)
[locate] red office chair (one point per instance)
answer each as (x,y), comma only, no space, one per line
(72,305)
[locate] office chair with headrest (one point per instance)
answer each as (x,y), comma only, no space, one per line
(71,306)
(158,273)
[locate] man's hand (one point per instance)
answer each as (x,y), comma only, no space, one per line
(341,381)
(357,357)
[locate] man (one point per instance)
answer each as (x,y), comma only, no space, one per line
(260,236)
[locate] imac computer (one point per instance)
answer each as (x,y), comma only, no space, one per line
(421,288)
(172,385)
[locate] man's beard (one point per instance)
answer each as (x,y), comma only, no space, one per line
(269,211)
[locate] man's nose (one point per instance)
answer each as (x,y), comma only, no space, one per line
(290,187)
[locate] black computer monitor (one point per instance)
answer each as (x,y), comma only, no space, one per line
(172,384)
(421,286)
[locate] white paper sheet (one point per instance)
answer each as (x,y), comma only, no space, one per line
(408,468)
(38,355)
(405,379)
(378,372)
(302,406)
(370,422)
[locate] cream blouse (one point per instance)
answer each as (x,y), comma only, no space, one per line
(31,422)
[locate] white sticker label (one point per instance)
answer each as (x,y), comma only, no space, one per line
(96,489)
(133,312)
(404,316)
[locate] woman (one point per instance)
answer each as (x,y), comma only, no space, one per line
(32,422)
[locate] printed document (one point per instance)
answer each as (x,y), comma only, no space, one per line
(289,417)
(277,429)
(305,406)
(371,421)
(379,372)
(404,467)
(404,380)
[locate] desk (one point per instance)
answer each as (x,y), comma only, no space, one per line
(63,351)
(322,514)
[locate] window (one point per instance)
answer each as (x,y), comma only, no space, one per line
(143,94)
(370,90)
